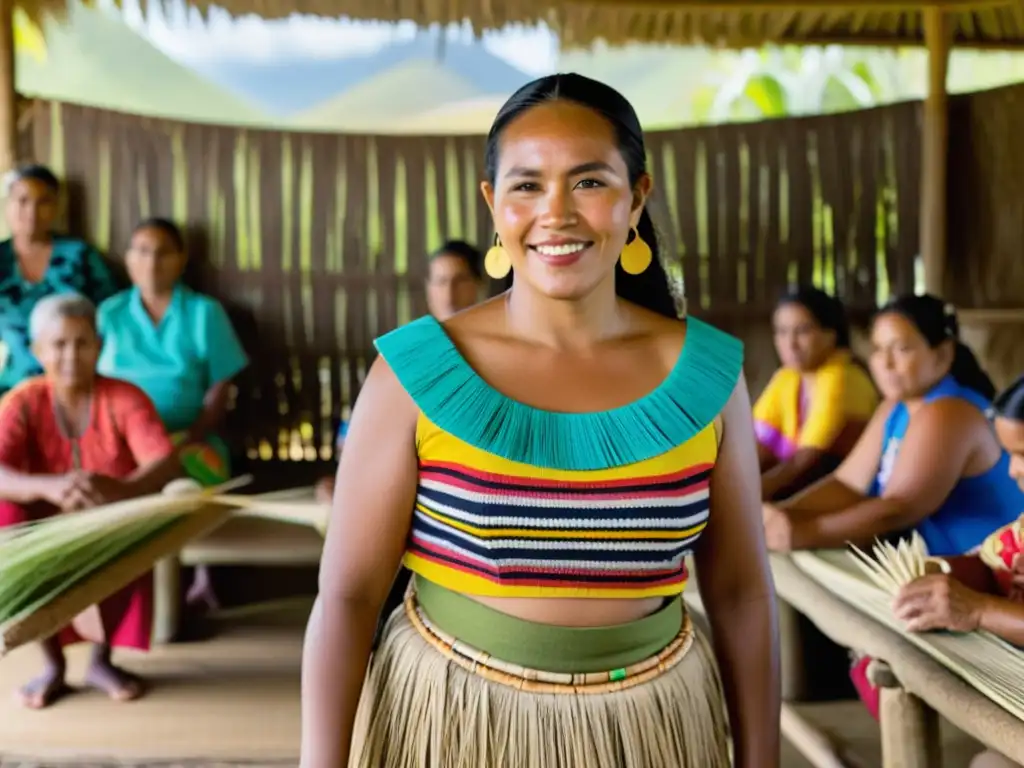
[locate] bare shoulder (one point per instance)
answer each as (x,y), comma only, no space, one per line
(383,395)
(951,413)
(884,409)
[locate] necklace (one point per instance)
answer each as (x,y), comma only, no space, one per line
(72,430)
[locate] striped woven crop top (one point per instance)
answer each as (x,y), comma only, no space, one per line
(514,501)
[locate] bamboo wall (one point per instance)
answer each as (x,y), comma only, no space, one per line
(316,242)
(986,222)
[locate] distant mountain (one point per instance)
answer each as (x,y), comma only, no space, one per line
(388,101)
(290,86)
(94,58)
(660,81)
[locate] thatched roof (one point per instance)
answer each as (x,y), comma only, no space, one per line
(733,23)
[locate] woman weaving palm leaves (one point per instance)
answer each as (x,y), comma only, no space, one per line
(965,601)
(71,440)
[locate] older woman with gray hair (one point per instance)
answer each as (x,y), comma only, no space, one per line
(36,263)
(70,440)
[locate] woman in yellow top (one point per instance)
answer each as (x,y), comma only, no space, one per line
(815,407)
(544,462)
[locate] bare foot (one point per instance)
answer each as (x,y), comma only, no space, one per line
(113,681)
(201,594)
(42,691)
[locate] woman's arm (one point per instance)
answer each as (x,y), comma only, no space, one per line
(736,588)
(373,504)
(850,483)
(787,473)
(932,458)
(225,360)
(16,484)
(215,407)
(941,602)
(156,461)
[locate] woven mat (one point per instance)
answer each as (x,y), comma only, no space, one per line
(233,700)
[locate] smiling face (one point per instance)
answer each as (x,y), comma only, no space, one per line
(562,199)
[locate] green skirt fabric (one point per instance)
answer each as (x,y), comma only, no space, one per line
(547,647)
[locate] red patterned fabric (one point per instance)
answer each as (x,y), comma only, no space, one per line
(124,433)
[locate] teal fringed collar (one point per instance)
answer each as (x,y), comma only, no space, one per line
(455,398)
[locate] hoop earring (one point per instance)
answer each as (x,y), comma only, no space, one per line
(636,256)
(497,263)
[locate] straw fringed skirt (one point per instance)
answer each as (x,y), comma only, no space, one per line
(639,695)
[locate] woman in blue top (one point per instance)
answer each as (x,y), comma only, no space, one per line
(928,460)
(179,347)
(35,263)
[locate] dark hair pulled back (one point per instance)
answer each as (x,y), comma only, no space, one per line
(650,289)
(828,311)
(1010,402)
(461,249)
(936,320)
(33,172)
(168,227)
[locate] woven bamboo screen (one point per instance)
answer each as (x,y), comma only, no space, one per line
(986,220)
(317,241)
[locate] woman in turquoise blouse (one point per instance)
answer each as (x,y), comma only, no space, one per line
(177,346)
(35,263)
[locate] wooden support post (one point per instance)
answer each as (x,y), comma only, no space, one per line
(938,35)
(910,728)
(812,743)
(791,650)
(8,100)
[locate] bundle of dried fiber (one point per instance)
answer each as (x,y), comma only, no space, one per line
(990,665)
(299,508)
(54,568)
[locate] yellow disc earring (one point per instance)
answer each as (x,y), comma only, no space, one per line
(636,256)
(497,262)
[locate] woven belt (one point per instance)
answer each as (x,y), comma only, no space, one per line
(539,681)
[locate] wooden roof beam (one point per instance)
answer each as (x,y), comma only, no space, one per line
(753,7)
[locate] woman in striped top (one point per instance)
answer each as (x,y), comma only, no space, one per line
(544,463)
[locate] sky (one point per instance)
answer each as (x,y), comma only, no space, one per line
(184,35)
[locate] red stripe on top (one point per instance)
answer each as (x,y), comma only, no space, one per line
(435,470)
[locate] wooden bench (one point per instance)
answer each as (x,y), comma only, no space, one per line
(241,540)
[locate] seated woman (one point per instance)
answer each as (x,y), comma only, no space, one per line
(454,281)
(179,347)
(35,263)
(928,460)
(815,407)
(71,440)
(944,602)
